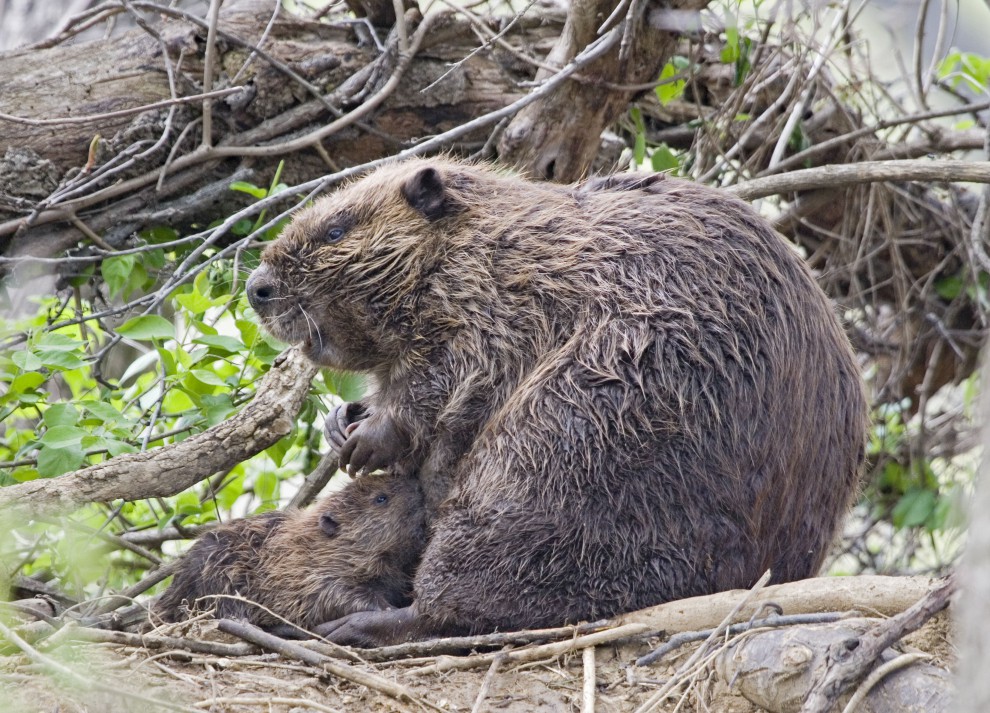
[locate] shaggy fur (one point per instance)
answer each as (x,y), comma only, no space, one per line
(615,394)
(355,550)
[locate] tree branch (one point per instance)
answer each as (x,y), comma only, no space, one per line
(839,175)
(168,470)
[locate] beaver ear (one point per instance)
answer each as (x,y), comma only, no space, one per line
(426,193)
(329,525)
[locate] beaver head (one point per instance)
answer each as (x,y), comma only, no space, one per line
(344,276)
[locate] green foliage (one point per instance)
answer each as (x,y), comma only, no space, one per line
(906,490)
(737,53)
(669,87)
(966,69)
(660,156)
(77,388)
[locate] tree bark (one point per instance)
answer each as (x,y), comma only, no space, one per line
(559,138)
(39,152)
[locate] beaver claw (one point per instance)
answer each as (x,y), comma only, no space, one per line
(372,444)
(341,421)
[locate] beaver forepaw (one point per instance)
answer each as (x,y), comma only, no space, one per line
(368,629)
(373,444)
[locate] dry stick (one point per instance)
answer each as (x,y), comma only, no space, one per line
(163,104)
(536,653)
(486,684)
(588,692)
(253,634)
(459,644)
(147,582)
(798,158)
(315,481)
(848,666)
(79,679)
(208,62)
(688,637)
(839,175)
(154,641)
(266,701)
(675,680)
(878,674)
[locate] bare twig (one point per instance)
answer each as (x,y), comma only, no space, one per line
(77,678)
(878,674)
(536,653)
(486,684)
(588,690)
(689,637)
(702,650)
(253,634)
(208,67)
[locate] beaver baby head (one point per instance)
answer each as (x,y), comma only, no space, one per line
(354,550)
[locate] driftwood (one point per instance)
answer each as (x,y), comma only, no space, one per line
(776,669)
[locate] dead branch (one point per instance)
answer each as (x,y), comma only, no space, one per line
(254,635)
(876,595)
(853,659)
(842,175)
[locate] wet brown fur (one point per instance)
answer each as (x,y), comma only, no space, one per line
(287,562)
(615,394)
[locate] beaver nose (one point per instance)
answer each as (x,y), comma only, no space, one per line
(260,288)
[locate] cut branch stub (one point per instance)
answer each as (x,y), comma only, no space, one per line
(558,138)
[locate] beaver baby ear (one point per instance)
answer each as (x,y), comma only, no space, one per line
(329,525)
(426,192)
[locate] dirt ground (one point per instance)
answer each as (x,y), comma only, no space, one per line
(110,678)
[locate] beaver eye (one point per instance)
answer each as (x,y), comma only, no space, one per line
(381,499)
(334,235)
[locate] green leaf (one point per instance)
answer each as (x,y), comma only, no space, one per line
(55,342)
(60,360)
(159,234)
(914,508)
(347,385)
(61,415)
(249,188)
(117,271)
(208,377)
(27,382)
(195,302)
(264,486)
(103,411)
(219,341)
(669,89)
(26,361)
(663,159)
(56,461)
(146,327)
(63,436)
(948,288)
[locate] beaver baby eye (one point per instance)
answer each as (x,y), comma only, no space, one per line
(334,235)
(381,499)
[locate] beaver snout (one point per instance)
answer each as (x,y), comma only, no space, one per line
(261,292)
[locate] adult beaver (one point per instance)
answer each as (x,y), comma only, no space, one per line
(354,550)
(615,394)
